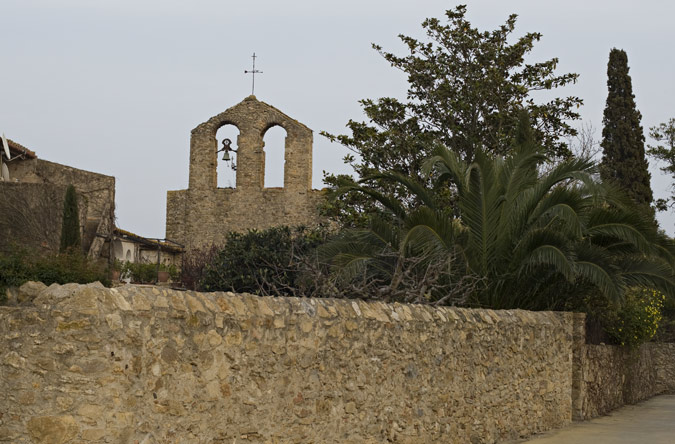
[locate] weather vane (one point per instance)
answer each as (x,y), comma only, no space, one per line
(253,72)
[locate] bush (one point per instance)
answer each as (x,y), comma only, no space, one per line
(638,319)
(19,267)
(666,332)
(146,272)
(267,262)
(14,271)
(70,228)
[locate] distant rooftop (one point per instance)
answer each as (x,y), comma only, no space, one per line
(165,245)
(16,150)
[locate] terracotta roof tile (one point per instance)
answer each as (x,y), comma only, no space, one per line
(16,149)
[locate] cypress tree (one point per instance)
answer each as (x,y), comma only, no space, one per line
(70,228)
(524,134)
(623,141)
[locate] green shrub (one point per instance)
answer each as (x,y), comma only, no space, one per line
(139,272)
(19,267)
(146,272)
(269,262)
(174,274)
(638,319)
(14,271)
(666,331)
(70,228)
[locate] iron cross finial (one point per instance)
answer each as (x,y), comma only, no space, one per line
(253,72)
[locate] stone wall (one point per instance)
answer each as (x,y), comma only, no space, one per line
(142,364)
(663,356)
(203,214)
(31,215)
(198,218)
(98,189)
(611,377)
(32,204)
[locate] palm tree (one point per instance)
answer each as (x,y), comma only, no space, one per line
(522,238)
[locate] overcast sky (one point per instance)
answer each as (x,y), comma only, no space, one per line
(115,86)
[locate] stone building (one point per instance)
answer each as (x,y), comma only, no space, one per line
(130,247)
(31,203)
(204,214)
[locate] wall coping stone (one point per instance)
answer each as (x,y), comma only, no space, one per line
(95,299)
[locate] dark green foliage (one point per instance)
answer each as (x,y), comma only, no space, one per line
(515,239)
(70,229)
(146,273)
(14,271)
(666,331)
(267,262)
(465,88)
(623,142)
(664,151)
(19,267)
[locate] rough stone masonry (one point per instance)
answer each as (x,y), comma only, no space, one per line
(87,364)
(203,214)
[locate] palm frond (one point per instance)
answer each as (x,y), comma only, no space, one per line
(447,165)
(648,273)
(551,256)
(414,187)
(480,211)
(389,202)
(602,278)
(430,232)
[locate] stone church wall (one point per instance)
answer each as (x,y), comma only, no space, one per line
(203,214)
(197,218)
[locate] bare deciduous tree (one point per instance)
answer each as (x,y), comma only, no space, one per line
(584,144)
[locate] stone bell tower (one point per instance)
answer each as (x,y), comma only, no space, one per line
(203,214)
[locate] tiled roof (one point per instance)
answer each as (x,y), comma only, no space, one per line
(163,244)
(16,149)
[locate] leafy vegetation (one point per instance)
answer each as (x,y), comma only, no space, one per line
(19,267)
(623,141)
(637,320)
(142,272)
(666,331)
(465,87)
(664,151)
(268,262)
(522,239)
(70,228)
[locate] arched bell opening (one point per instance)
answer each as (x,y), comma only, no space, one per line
(226,152)
(274,147)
